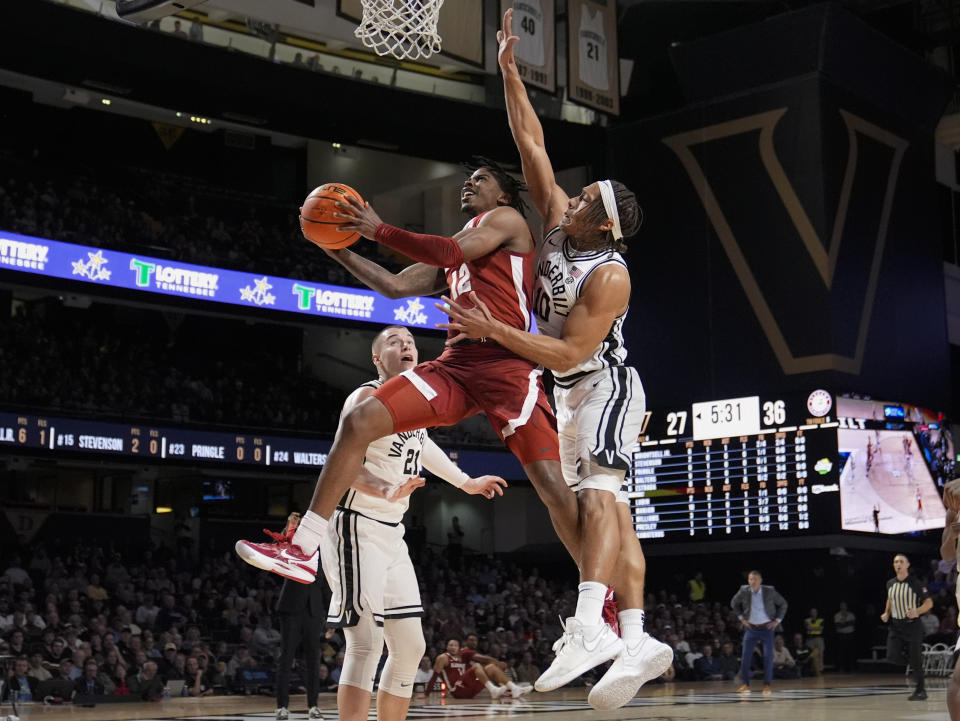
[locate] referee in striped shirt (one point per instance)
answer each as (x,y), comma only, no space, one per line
(907,600)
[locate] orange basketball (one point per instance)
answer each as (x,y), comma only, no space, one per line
(316,216)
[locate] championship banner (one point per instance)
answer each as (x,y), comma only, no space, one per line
(350,9)
(115,269)
(593,68)
(534,22)
(460,27)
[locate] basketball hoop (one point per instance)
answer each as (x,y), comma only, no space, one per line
(405,29)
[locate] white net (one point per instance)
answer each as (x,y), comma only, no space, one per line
(405,29)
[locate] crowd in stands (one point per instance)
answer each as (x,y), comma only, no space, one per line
(141,366)
(163,215)
(144,365)
(115,624)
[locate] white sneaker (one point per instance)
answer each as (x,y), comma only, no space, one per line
(497,691)
(641,661)
(520,689)
(579,649)
(282,714)
(315,713)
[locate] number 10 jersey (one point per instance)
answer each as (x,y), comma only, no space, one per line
(561,273)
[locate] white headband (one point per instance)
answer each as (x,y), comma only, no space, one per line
(610,205)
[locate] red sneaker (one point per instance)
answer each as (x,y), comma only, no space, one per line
(611,611)
(280,557)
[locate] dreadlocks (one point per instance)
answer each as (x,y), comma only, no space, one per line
(508,184)
(631,215)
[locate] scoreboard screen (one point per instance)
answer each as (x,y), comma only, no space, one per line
(96,438)
(738,468)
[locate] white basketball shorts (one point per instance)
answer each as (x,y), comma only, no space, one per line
(373,573)
(598,421)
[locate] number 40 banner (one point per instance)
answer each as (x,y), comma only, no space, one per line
(593,67)
(534,22)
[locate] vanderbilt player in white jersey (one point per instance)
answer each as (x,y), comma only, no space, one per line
(581,299)
(376,595)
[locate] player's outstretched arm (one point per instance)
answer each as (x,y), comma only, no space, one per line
(418,279)
(548,198)
(438,666)
(501,226)
(605,296)
(439,464)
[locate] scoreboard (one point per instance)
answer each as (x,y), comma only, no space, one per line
(738,468)
(71,435)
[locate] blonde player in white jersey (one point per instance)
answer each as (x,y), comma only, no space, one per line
(581,298)
(376,595)
(375,592)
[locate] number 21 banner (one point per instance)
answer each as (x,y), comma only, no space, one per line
(534,22)
(593,76)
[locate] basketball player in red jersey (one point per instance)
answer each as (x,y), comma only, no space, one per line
(465,675)
(493,254)
(581,300)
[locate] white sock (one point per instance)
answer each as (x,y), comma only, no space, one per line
(311,529)
(492,687)
(590,603)
(631,623)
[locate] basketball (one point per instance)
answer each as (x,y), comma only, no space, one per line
(316,216)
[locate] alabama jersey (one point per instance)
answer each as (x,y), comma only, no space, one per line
(528,25)
(561,274)
(593,49)
(503,279)
(392,458)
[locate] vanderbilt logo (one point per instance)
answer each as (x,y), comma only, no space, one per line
(827,304)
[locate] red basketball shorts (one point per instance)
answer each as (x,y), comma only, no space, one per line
(480,378)
(468,686)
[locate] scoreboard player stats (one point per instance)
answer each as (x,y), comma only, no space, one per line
(738,468)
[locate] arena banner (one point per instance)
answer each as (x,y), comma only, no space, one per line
(115,269)
(534,22)
(593,67)
(793,224)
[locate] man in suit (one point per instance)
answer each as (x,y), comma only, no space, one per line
(760,609)
(302,609)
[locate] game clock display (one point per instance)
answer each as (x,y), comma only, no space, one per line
(738,468)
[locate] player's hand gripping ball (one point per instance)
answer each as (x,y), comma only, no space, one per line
(316,216)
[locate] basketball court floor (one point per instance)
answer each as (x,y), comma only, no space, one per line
(841,698)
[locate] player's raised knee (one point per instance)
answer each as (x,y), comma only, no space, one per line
(366,422)
(596,502)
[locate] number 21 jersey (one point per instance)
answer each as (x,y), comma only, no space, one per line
(593,49)
(392,458)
